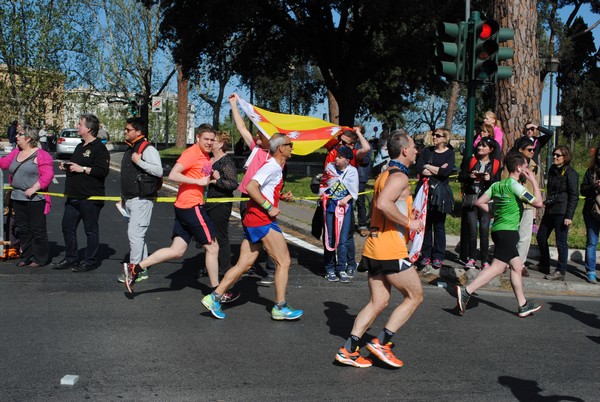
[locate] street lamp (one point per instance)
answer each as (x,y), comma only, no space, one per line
(552,65)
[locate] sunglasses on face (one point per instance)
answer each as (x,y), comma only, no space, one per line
(557,155)
(529,149)
(289,144)
(346,143)
(438,136)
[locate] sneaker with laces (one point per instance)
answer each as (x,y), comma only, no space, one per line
(384,352)
(285,313)
(129,276)
(424,262)
(351,272)
(213,305)
(267,280)
(352,359)
(343,277)
(462,298)
(591,278)
(555,276)
(530,306)
(470,264)
(437,264)
(230,297)
(332,277)
(142,276)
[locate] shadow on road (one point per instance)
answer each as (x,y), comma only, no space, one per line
(529,390)
(586,318)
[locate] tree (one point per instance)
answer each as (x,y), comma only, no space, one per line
(365,50)
(35,37)
(123,44)
(518,98)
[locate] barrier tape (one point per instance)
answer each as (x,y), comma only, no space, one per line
(172,199)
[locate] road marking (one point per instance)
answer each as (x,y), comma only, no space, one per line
(292,239)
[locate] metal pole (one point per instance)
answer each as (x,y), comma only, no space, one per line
(551,144)
(471,104)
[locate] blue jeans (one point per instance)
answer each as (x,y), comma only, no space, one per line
(75,212)
(556,223)
(592,227)
(343,246)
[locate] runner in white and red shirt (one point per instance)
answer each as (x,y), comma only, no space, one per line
(261,230)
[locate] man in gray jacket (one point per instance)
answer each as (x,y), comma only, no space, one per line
(141,163)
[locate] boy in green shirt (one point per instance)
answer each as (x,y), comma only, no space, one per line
(508,196)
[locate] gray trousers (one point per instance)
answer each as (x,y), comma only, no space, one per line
(525,231)
(140,213)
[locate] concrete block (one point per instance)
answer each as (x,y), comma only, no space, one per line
(69,379)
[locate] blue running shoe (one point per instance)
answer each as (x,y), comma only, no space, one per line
(214,306)
(285,313)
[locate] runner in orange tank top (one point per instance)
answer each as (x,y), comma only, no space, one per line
(386,258)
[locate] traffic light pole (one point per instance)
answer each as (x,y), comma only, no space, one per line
(471,103)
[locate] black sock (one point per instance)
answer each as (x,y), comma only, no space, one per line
(280,305)
(385,336)
(467,292)
(137,269)
(352,343)
(524,304)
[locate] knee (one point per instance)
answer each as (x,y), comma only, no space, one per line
(380,304)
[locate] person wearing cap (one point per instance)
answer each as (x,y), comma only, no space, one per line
(338,191)
(477,175)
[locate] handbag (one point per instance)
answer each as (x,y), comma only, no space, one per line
(469,200)
(317,222)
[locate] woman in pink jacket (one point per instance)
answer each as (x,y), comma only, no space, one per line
(30,171)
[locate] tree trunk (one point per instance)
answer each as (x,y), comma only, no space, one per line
(334,110)
(451,106)
(182,106)
(518,98)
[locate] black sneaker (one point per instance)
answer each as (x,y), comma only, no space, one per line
(462,298)
(530,306)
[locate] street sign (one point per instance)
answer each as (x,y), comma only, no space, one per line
(157,104)
(555,121)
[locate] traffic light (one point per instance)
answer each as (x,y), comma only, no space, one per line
(486,51)
(483,64)
(504,53)
(451,50)
(133,108)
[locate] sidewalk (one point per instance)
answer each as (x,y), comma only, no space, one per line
(298,216)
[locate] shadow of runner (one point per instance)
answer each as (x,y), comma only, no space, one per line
(586,318)
(529,390)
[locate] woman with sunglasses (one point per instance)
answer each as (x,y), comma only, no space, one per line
(540,141)
(30,171)
(436,164)
(590,188)
(561,200)
(477,176)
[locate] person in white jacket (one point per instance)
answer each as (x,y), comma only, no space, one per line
(339,191)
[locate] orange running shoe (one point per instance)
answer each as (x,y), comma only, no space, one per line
(352,359)
(384,352)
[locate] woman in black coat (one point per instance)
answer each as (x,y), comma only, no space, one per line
(590,188)
(562,196)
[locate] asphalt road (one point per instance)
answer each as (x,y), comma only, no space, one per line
(160,344)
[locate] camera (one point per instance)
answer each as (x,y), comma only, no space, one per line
(550,201)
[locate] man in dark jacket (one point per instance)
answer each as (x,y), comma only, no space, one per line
(86,173)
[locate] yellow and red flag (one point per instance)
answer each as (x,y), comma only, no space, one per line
(308,133)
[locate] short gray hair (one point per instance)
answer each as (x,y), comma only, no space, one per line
(32,134)
(276,141)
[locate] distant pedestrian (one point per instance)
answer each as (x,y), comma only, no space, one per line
(364,174)
(508,197)
(103,134)
(385,258)
(86,173)
(43,135)
(11,133)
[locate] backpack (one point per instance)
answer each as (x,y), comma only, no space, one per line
(148,185)
(495,167)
